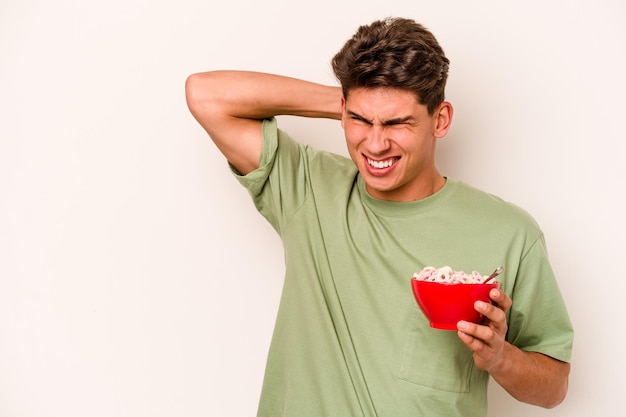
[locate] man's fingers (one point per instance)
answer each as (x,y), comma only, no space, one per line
(501,299)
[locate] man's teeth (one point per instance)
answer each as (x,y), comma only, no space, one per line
(381,164)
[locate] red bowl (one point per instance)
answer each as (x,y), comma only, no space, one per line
(444,304)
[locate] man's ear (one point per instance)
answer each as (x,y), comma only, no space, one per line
(443,119)
(343,110)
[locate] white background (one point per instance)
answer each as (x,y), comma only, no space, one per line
(136,278)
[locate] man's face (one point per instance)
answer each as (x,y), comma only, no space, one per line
(391,138)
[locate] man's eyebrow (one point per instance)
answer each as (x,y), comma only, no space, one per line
(395,121)
(358,116)
(398,120)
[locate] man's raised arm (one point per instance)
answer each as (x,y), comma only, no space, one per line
(230,106)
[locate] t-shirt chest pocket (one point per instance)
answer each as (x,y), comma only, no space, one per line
(436,358)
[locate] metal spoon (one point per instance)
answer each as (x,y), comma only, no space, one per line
(494,274)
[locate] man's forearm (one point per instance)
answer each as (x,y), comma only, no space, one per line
(532,377)
(254,95)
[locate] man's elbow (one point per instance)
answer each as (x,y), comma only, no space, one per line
(193,92)
(560,395)
(560,392)
(202,95)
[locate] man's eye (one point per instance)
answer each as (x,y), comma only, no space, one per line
(360,120)
(399,125)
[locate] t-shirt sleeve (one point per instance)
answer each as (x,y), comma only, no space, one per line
(279,185)
(538,319)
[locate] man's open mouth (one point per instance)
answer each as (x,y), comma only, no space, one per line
(386,163)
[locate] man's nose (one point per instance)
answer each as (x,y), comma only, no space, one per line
(377,141)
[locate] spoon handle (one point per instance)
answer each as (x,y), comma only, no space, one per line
(494,274)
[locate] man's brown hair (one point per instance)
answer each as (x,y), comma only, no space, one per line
(397,53)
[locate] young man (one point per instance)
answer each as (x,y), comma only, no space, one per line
(349,339)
